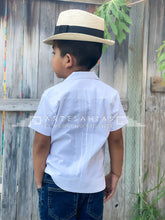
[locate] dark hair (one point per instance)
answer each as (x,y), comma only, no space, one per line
(86,53)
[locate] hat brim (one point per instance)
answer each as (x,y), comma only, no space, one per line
(77,37)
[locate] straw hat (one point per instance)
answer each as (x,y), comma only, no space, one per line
(79,25)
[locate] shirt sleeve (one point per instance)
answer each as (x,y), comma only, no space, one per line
(42,120)
(119,118)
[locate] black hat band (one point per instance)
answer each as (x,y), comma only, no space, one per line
(79,30)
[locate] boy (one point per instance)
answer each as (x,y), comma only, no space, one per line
(73,121)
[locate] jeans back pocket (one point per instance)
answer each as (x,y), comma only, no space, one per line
(95,205)
(61,204)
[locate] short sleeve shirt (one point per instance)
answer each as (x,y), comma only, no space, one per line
(78,114)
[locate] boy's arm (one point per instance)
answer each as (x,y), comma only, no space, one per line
(41,149)
(116,149)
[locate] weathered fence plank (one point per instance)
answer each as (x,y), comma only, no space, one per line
(2,42)
(134,86)
(9,178)
(95,2)
(27,201)
(15,105)
(13,59)
(107,66)
(2,50)
(31,48)
(11,134)
(143,104)
(155,138)
(121,68)
(47,26)
(161,203)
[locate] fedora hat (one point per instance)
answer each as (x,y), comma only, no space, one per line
(79,25)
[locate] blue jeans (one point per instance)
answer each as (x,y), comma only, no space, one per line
(55,203)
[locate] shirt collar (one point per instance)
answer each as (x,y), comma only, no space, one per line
(82,75)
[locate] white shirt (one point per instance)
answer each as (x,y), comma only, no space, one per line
(78,114)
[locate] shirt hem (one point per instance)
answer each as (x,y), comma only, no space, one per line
(77,184)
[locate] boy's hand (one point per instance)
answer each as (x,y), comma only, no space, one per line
(39,186)
(111,182)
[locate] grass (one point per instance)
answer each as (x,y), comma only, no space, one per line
(145,210)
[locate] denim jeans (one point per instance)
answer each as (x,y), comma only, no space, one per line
(55,203)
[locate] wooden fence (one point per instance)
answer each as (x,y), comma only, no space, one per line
(25,72)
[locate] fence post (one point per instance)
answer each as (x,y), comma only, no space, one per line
(134,93)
